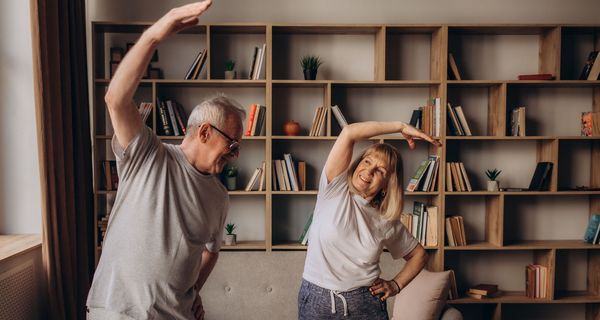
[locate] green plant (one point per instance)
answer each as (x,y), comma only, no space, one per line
(310,62)
(229,228)
(492,174)
(229,65)
(231,171)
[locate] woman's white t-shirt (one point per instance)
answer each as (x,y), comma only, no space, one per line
(347,237)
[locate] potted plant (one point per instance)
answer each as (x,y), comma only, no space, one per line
(230,237)
(310,64)
(229,72)
(231,174)
(493,184)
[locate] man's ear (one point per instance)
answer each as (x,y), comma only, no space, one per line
(203,132)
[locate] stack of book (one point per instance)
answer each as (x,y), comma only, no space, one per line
(318,124)
(425,177)
(195,69)
(257,180)
(172,118)
(591,69)
(457,122)
(111,178)
(257,62)
(483,290)
(457,178)
(593,230)
(428,118)
(536,281)
(304,236)
(455,231)
(255,125)
(517,122)
(289,175)
(422,223)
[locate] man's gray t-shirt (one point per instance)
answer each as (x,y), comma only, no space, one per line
(165,214)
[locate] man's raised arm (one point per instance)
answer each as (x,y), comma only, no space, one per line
(123,112)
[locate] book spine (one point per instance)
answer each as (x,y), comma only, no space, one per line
(164,119)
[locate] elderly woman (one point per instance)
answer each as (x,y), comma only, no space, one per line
(356,217)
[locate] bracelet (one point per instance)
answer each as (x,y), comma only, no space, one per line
(397,285)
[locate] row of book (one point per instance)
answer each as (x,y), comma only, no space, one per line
(483,290)
(289,175)
(317,127)
(172,118)
(457,122)
(517,122)
(257,180)
(422,223)
(195,69)
(536,281)
(255,125)
(111,177)
(257,62)
(425,176)
(428,118)
(457,178)
(593,230)
(455,231)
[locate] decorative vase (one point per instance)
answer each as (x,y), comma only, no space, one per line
(493,185)
(291,128)
(230,74)
(310,74)
(230,239)
(231,183)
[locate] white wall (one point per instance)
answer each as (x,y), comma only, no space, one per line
(354,11)
(20,195)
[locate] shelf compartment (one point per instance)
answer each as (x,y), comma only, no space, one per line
(504,52)
(577,276)
(549,111)
(576,44)
(482,106)
(362,103)
(248,214)
(289,216)
(102,122)
(338,47)
(413,53)
(411,159)
(483,220)
(579,163)
(253,153)
(297,103)
(237,43)
(543,310)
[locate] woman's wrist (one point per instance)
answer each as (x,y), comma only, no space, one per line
(398,286)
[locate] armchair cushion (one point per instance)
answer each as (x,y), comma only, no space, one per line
(424,297)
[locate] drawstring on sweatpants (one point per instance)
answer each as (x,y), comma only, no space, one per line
(337,294)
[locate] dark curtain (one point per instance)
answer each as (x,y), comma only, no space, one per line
(60,73)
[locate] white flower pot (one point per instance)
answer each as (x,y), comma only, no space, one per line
(230,239)
(493,185)
(230,75)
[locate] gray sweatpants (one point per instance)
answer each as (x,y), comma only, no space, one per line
(315,302)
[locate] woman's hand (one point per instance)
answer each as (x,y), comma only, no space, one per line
(198,308)
(410,133)
(177,19)
(384,289)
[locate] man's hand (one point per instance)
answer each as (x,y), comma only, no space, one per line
(384,289)
(177,19)
(198,308)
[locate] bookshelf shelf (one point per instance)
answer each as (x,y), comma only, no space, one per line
(401,67)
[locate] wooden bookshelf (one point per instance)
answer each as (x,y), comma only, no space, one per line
(383,72)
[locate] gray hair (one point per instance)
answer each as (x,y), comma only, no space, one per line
(215,111)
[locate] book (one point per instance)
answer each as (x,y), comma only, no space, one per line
(261,59)
(164,118)
(414,181)
(253,180)
(449,186)
(415,118)
(437,116)
(537,76)
(255,64)
(595,70)
(591,232)
(541,177)
(172,118)
(517,122)
(450,233)
(289,163)
(302,175)
(261,182)
(304,236)
(181,118)
(453,67)
(339,116)
(453,292)
(462,120)
(190,72)
(484,289)
(432,226)
(465,176)
(250,121)
(111,176)
(585,72)
(453,123)
(427,179)
(590,124)
(258,126)
(251,72)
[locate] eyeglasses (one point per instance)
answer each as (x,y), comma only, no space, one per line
(234,145)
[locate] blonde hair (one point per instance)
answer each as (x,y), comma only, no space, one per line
(389,200)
